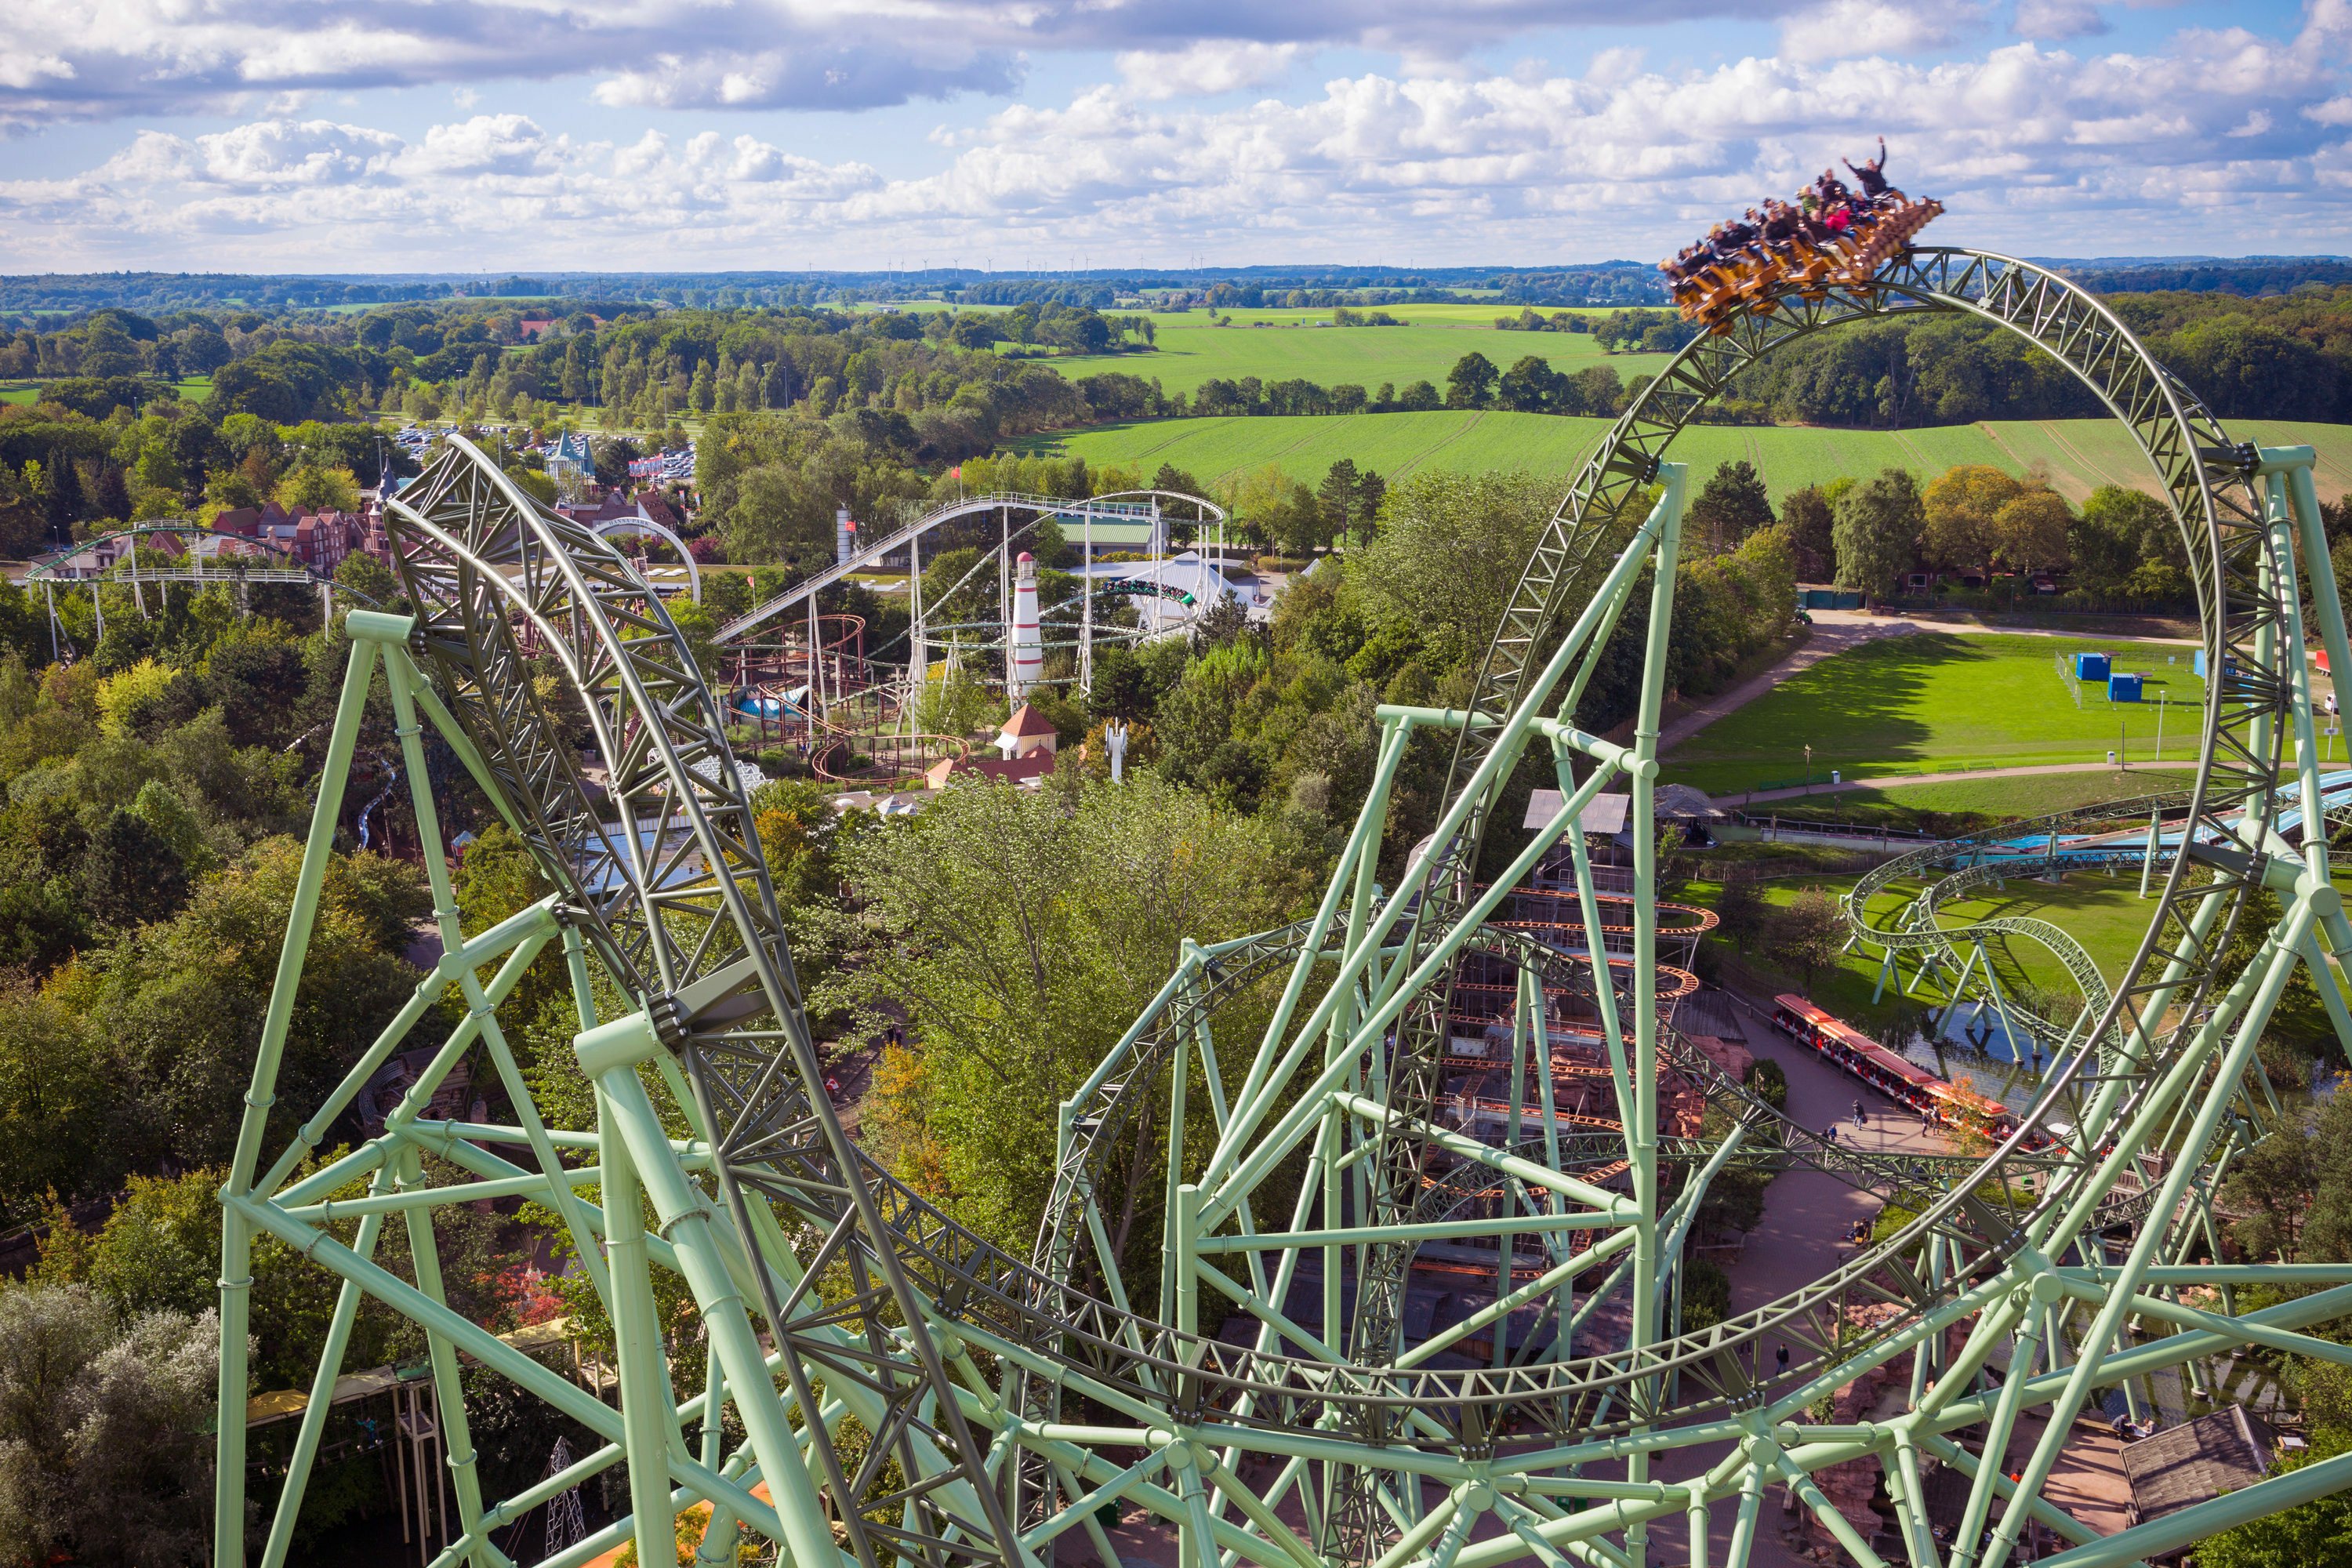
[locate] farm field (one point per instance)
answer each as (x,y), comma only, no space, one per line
(2078,455)
(1303,345)
(1934,702)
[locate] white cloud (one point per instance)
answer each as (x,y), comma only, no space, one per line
(1840,29)
(2055,21)
(95,59)
(1205,68)
(2031,148)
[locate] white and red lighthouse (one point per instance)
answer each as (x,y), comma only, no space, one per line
(1028,652)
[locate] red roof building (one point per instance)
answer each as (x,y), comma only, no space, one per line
(1026,734)
(1026,772)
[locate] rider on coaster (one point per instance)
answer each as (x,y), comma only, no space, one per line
(1873,176)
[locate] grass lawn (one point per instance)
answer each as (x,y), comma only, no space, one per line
(1936,702)
(1286,346)
(22,392)
(1967,805)
(2079,455)
(2105,914)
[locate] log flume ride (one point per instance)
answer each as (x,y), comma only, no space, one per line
(1224,1329)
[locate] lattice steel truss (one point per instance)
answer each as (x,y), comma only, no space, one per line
(1216,1325)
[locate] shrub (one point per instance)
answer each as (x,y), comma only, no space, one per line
(1707,1294)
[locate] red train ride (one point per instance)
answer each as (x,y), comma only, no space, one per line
(1890,1072)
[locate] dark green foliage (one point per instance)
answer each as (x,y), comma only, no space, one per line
(1806,515)
(1733,505)
(1770,1081)
(2127,542)
(256,685)
(1876,533)
(130,873)
(1471,382)
(2311,1535)
(1124,688)
(1707,1294)
(107,1426)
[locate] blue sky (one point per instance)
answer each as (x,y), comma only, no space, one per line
(358,135)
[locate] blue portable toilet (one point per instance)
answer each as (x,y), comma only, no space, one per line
(2122,687)
(2090,667)
(2198,665)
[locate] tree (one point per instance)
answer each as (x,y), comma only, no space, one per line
(2030,532)
(1450,550)
(1733,505)
(1337,497)
(1808,933)
(308,488)
(105,1437)
(364,574)
(1741,909)
(2316,1535)
(1876,533)
(1959,511)
(183,998)
(1530,386)
(1806,515)
(1421,395)
(966,900)
(1471,382)
(1371,494)
(2125,542)
(57,1102)
(130,874)
(1599,393)
(1123,686)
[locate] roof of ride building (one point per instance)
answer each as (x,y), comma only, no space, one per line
(1027,721)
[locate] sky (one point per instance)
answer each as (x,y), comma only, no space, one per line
(621,135)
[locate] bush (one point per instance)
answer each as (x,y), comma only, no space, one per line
(1770,1081)
(1707,1294)
(105,1439)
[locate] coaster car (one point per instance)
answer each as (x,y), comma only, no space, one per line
(1711,292)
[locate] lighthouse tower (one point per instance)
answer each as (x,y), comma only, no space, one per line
(1028,653)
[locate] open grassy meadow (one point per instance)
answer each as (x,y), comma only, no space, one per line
(2077,454)
(2104,913)
(1937,702)
(1286,346)
(1965,806)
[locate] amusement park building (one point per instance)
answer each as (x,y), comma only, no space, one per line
(320,539)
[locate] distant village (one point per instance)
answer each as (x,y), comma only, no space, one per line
(323,540)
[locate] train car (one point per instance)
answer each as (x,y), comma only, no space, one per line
(1888,1071)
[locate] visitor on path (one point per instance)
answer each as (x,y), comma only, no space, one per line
(1861,1117)
(1781,1357)
(1831,1135)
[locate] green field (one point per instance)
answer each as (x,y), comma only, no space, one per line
(1286,346)
(1967,804)
(2104,913)
(2078,455)
(1936,702)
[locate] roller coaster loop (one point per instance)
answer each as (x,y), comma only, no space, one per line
(1225,1323)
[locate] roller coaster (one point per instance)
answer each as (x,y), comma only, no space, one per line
(1224,1331)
